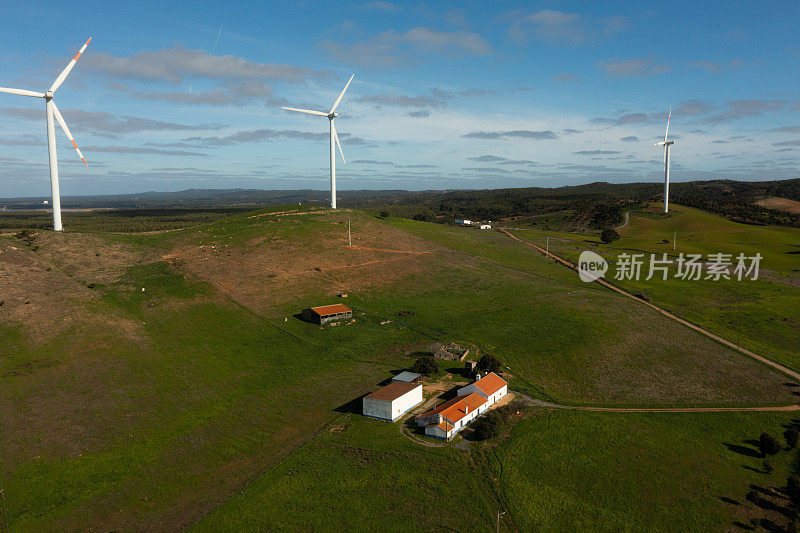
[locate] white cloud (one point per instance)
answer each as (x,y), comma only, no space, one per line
(632,68)
(389,47)
(558,27)
(178,63)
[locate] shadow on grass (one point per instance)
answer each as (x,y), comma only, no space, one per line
(742,450)
(354,406)
(794,424)
(299,316)
(729,500)
(767,492)
(459,371)
(769,505)
(769,525)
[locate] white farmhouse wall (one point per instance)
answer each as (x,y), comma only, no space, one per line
(391,410)
(378,408)
(406,402)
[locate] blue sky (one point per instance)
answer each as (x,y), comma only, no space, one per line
(446,95)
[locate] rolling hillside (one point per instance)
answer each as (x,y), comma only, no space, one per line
(160,380)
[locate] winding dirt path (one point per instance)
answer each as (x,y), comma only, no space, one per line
(777,366)
(627,220)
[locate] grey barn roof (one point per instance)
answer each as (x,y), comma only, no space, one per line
(406,376)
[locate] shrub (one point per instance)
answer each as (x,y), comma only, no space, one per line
(609,236)
(791,436)
(425,365)
(768,445)
(488,426)
(489,363)
(384,214)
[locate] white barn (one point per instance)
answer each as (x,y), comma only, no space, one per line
(392,401)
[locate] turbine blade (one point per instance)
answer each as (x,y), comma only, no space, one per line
(22,92)
(336,103)
(336,136)
(66,71)
(64,127)
(668,117)
(320,113)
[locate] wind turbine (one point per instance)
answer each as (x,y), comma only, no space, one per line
(52,111)
(666,144)
(332,114)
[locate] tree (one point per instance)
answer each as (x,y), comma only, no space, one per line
(425,365)
(791,435)
(768,444)
(609,236)
(384,214)
(489,363)
(488,426)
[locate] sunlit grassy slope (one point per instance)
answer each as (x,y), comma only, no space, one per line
(761,315)
(148,409)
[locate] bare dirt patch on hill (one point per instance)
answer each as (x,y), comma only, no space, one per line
(780,204)
(283,260)
(89,258)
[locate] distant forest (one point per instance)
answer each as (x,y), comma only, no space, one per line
(593,206)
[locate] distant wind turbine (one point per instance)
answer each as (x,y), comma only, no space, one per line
(52,111)
(666,144)
(332,114)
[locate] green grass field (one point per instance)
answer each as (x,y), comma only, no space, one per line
(149,409)
(760,315)
(636,472)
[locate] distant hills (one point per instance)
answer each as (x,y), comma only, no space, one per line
(738,200)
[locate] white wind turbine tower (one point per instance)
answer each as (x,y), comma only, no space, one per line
(52,111)
(332,114)
(666,144)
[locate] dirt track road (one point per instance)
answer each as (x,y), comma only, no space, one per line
(761,409)
(627,220)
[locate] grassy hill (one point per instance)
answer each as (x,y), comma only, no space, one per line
(760,315)
(161,380)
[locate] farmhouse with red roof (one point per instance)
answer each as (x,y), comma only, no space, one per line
(449,418)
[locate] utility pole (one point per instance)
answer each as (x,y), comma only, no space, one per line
(499,514)
(547,246)
(349,240)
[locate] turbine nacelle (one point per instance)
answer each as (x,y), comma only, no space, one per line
(48,95)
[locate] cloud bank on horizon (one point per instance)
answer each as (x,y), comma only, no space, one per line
(169,97)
